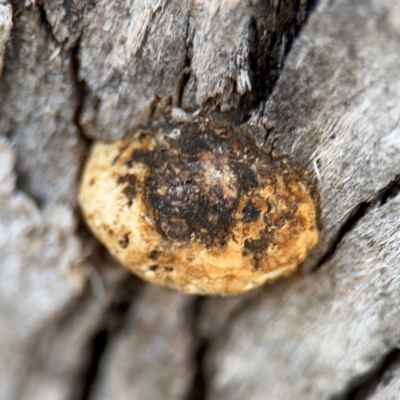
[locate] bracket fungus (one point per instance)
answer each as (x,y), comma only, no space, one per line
(201,208)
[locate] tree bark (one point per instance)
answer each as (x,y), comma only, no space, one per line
(317,84)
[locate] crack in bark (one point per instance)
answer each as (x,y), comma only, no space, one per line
(292,30)
(268,132)
(198,389)
(80,86)
(45,22)
(186,70)
(111,323)
(391,190)
(81,90)
(355,216)
(364,387)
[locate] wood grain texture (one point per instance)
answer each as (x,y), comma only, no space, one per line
(74,328)
(39,100)
(38,253)
(151,358)
(5,29)
(151,55)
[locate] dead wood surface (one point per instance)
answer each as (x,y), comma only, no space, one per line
(322,91)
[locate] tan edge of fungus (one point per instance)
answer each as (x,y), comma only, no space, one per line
(144,204)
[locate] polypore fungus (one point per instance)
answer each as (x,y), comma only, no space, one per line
(200,209)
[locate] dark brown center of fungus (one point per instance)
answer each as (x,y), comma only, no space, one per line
(196,183)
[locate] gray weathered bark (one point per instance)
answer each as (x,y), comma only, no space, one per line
(322,91)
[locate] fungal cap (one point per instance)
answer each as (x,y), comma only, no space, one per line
(202,215)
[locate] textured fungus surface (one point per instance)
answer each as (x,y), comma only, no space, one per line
(198,208)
